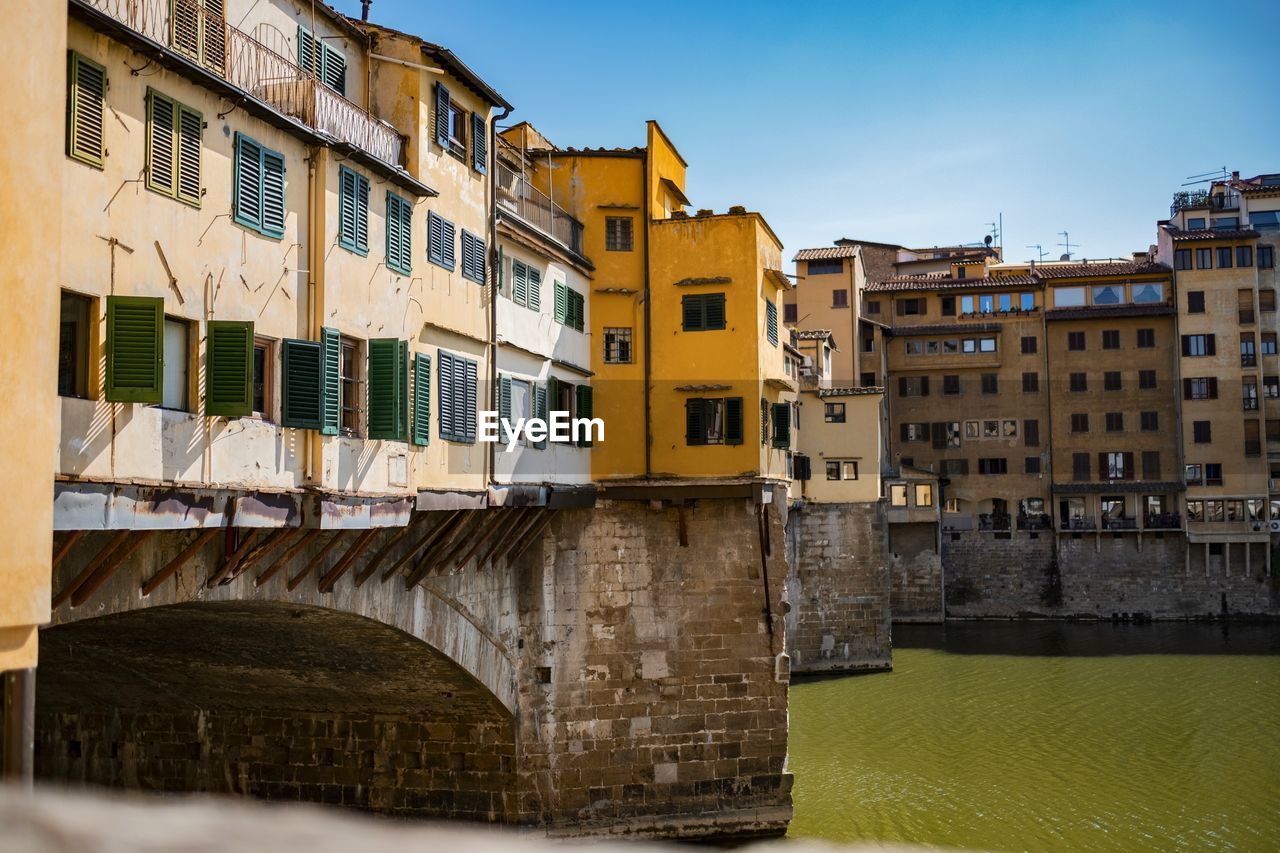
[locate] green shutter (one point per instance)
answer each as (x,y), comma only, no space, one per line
(421,433)
(86,107)
(504,404)
(471,403)
(135,349)
(330,381)
(229,369)
(189,187)
(479,143)
(764,421)
(301,371)
(353,211)
(733,420)
(388,389)
(534,289)
(519,283)
(444,389)
(782,425)
(577,310)
(695,421)
(399,234)
(561,303)
(540,410)
(553,392)
(173,147)
(272,194)
(584,411)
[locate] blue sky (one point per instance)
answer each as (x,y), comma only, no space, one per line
(912,123)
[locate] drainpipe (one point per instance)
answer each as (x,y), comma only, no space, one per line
(313,449)
(495,274)
(648,326)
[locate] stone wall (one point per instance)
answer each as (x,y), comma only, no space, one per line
(915,573)
(838,589)
(400,765)
(652,697)
(1102,575)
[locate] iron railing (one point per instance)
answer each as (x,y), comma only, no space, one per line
(526,201)
(1081,523)
(1162,521)
(1034,522)
(1188,200)
(1120,523)
(993,522)
(191,30)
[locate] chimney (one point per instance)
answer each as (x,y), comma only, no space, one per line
(1235,176)
(364,9)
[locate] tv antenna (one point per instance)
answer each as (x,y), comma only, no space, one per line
(1067,244)
(1206,177)
(1039,251)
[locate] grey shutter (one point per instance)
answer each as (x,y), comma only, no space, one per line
(448,238)
(540,410)
(695,421)
(470,377)
(442,115)
(479,143)
(445,384)
(272,193)
(435,238)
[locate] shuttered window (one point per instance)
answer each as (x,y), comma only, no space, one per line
(782,425)
(135,346)
(86,106)
(302,372)
(330,381)
(526,285)
(353,211)
(443,116)
(258,194)
(421,433)
(174,134)
(771,321)
(399,234)
(197,31)
(703,312)
(228,369)
(504,407)
(585,406)
(325,63)
(577,310)
(540,410)
(440,240)
(473,259)
(388,387)
(456,394)
(479,143)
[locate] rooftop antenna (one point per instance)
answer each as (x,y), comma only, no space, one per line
(1206,177)
(1067,244)
(994,235)
(1039,251)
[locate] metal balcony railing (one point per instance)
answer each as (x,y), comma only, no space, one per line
(993,522)
(1162,521)
(1034,522)
(1188,200)
(1120,523)
(1081,523)
(189,29)
(526,201)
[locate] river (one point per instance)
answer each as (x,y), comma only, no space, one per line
(1048,736)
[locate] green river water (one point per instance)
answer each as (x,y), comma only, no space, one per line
(1047,736)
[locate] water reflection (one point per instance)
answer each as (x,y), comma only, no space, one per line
(1091,639)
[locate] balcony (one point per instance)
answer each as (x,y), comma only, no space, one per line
(190,30)
(1034,522)
(1119,523)
(1078,523)
(988,521)
(518,196)
(1188,200)
(1162,521)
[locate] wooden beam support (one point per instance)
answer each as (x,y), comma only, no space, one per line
(330,578)
(230,561)
(452,545)
(315,561)
(516,535)
(367,572)
(530,538)
(283,559)
(171,568)
(428,540)
(109,567)
(277,536)
(488,526)
(89,569)
(68,543)
(518,518)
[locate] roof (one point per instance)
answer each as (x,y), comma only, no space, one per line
(1255,185)
(447,59)
(670,186)
(943,281)
(826,253)
(1091,311)
(943,328)
(779,278)
(1210,234)
(1089,270)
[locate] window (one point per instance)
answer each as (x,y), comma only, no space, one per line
(872,306)
(1028,345)
(998,465)
(177,363)
(1108,294)
(1031,433)
(826,266)
(1080,422)
(1266,299)
(966,304)
(869,344)
(258,197)
(1200,388)
(948,305)
(1198,345)
(1146,338)
(1068,297)
(897,494)
(86,107)
(913,386)
(833,413)
(440,241)
(264,360)
(456,383)
(1249,393)
(400,235)
(325,63)
(950,346)
(1148,292)
(833,470)
(913,347)
(842,469)
(570,307)
(1244,256)
(1115,422)
(1146,379)
(986,344)
(74,322)
(1027,301)
(1080,467)
(450,123)
(349,381)
(353,211)
(1265,220)
(1079,382)
(1031,465)
(1182,259)
(990,383)
(924,494)
(1075,341)
(1151,464)
(771,321)
(1030,383)
(1111,339)
(789,313)
(1195,301)
(473,257)
(955,467)
(1194,476)
(1224,257)
(229,363)
(1268,343)
(1266,257)
(1248,351)
(969,345)
(1271,387)
(1204,259)
(703,312)
(781,425)
(617,345)
(914,431)
(618,233)
(1115,466)
(840,298)
(951,384)
(1111,381)
(174,134)
(1202,432)
(526,285)
(868,380)
(387,401)
(1150,421)
(910,307)
(986,303)
(1213,474)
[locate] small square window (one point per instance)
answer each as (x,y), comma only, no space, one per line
(618,233)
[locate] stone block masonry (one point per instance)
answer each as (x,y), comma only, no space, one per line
(915,573)
(838,589)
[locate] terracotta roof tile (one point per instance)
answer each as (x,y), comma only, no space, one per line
(1207,234)
(941,281)
(826,253)
(1089,270)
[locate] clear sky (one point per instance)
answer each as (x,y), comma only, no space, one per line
(901,122)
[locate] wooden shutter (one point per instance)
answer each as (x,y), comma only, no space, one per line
(1102,466)
(764,421)
(399,234)
(161,120)
(435,238)
(301,367)
(584,411)
(691,308)
(504,405)
(904,432)
(534,300)
(353,211)
(553,392)
(1128,465)
(561,303)
(1186,345)
(445,395)
(695,421)
(229,369)
(421,432)
(470,398)
(1186,389)
(86,103)
(1210,344)
(924,386)
(333,72)
(135,349)
(479,143)
(577,310)
(771,321)
(442,115)
(938,434)
(1213,387)
(248,182)
(190,136)
(1031,433)
(733,420)
(782,425)
(448,237)
(472,257)
(902,386)
(272,193)
(713,308)
(330,381)
(406,235)
(185,27)
(383,388)
(519,283)
(540,410)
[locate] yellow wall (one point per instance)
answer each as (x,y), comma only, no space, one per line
(31,147)
(858,438)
